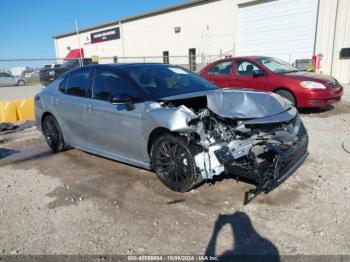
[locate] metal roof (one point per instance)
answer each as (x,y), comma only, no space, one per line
(139,16)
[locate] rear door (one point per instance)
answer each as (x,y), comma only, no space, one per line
(221,74)
(115,128)
(71,105)
(245,78)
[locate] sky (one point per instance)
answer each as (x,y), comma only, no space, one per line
(27,26)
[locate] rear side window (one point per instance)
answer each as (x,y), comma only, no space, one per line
(62,86)
(109,84)
(79,83)
(223,68)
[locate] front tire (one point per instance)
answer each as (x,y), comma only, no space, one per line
(20,83)
(53,134)
(174,163)
(288,95)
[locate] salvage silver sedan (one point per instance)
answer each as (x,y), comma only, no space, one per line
(168,119)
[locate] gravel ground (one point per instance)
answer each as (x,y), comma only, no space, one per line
(77,203)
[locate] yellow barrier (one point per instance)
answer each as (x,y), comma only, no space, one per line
(25,109)
(8,111)
(17,110)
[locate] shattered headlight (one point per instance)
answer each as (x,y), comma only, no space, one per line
(312,85)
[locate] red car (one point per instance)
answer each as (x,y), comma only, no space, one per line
(303,89)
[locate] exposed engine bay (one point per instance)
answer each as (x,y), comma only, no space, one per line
(263,150)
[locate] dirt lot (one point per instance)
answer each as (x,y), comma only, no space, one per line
(77,203)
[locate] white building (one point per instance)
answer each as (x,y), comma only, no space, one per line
(209,29)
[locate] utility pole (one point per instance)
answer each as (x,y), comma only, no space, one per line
(76,28)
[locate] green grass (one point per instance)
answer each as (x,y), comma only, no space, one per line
(33,82)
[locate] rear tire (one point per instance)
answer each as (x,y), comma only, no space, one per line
(53,134)
(174,164)
(20,83)
(288,95)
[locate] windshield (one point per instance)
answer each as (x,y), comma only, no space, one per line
(163,80)
(277,65)
(68,64)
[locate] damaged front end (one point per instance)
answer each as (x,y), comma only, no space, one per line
(263,150)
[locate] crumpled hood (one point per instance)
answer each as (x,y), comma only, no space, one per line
(241,104)
(246,104)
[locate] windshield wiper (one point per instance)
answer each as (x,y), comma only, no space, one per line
(290,71)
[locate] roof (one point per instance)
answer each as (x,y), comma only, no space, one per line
(139,16)
(122,65)
(251,57)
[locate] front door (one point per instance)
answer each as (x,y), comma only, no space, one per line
(249,75)
(115,128)
(221,74)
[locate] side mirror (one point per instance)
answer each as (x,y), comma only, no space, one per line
(258,73)
(123,100)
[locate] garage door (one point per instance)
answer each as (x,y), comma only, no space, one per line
(283,28)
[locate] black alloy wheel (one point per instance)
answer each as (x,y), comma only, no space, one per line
(174,163)
(53,134)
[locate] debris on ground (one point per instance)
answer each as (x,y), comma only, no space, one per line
(7,128)
(4,152)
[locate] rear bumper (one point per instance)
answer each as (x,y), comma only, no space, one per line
(320,98)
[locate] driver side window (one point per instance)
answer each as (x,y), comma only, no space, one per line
(246,68)
(109,84)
